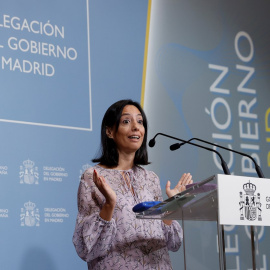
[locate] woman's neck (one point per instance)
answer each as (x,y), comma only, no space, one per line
(125,161)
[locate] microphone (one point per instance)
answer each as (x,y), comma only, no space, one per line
(224,165)
(175,146)
(152,142)
(257,167)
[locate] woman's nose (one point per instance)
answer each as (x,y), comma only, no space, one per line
(135,125)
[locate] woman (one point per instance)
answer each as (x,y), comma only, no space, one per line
(107,233)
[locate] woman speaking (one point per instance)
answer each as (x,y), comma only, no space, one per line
(107,234)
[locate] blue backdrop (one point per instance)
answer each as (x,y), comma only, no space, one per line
(50,118)
(63,63)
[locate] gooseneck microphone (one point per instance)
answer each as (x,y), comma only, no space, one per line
(152,142)
(224,166)
(257,167)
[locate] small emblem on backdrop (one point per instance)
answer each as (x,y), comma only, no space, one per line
(30,215)
(29,173)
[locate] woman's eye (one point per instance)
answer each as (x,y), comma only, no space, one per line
(125,121)
(140,122)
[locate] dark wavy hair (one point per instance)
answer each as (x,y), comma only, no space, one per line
(108,150)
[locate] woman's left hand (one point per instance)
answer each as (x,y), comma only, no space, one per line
(181,185)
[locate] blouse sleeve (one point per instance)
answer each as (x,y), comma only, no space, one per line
(93,236)
(173,233)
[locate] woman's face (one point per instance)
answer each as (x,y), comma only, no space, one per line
(130,133)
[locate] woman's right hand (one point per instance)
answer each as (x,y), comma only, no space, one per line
(109,194)
(104,188)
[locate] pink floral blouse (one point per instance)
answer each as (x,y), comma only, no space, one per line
(124,242)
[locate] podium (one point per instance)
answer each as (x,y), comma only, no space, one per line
(220,199)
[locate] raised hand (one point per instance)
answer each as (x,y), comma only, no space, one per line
(109,194)
(185,179)
(104,188)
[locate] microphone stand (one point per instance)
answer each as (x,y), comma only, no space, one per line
(257,167)
(260,174)
(226,171)
(223,163)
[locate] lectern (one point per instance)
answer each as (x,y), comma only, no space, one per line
(223,199)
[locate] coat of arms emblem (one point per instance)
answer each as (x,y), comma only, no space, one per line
(29,173)
(250,205)
(30,215)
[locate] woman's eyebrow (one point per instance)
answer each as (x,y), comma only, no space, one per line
(139,114)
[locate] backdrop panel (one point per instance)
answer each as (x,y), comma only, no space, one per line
(50,115)
(208,77)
